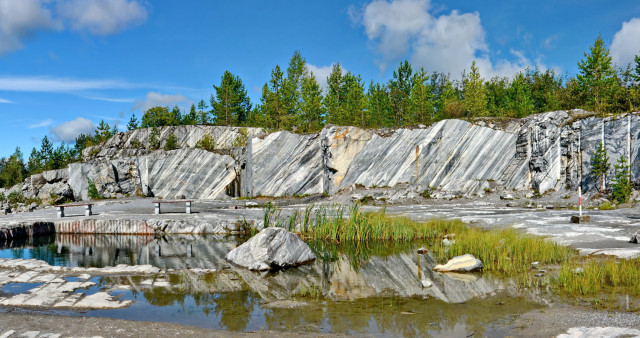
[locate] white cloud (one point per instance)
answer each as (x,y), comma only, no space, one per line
(102,17)
(44,123)
(626,43)
(109,99)
(53,84)
(5,101)
(154,99)
(68,131)
(321,73)
(446,43)
(20,19)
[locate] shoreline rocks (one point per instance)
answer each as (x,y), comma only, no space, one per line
(464,263)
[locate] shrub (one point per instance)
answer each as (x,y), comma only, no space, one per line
(15,197)
(154,142)
(135,143)
(241,139)
(92,190)
(206,143)
(171,143)
(2,197)
(622,186)
(606,205)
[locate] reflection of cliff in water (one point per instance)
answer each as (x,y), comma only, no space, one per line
(171,252)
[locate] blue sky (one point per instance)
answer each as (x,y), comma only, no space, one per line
(67,64)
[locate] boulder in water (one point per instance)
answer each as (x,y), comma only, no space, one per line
(271,248)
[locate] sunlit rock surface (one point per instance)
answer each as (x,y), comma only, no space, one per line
(464,263)
(271,248)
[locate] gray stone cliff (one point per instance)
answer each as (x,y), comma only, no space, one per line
(450,157)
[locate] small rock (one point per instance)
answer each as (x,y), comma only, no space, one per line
(634,237)
(464,263)
(426,283)
(542,271)
(422,250)
(578,271)
(529,195)
(539,275)
(180,197)
(534,265)
(506,197)
(356,197)
(447,242)
(550,207)
(251,204)
(512,205)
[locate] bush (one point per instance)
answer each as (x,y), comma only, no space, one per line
(206,143)
(92,190)
(241,139)
(622,186)
(606,205)
(171,143)
(135,143)
(154,142)
(15,197)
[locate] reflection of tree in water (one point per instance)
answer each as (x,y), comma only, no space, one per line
(234,309)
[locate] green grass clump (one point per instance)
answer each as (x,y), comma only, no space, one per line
(606,205)
(599,275)
(507,250)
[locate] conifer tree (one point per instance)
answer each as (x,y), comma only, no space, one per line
(311,106)
(133,122)
(354,101)
(399,92)
(231,104)
(202,112)
(378,106)
(474,93)
(273,100)
(596,79)
(600,165)
(622,185)
(334,99)
(521,103)
(296,72)
(421,105)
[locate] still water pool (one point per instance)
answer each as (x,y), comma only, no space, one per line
(376,289)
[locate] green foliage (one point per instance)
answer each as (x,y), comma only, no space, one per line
(622,185)
(135,143)
(161,116)
(596,79)
(206,143)
(154,140)
(399,91)
(190,118)
(171,142)
(12,169)
(133,123)
(15,197)
(92,190)
(421,99)
(606,205)
(312,110)
(334,99)
(475,93)
(242,138)
(600,164)
(231,105)
(599,275)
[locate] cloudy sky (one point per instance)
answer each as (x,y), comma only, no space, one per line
(67,64)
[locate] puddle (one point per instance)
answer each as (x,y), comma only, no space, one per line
(372,289)
(16,288)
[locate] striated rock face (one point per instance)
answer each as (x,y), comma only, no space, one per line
(287,164)
(194,173)
(271,248)
(450,157)
(464,263)
(136,142)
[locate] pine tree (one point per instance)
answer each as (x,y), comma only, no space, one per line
(600,165)
(354,100)
(202,112)
(622,185)
(333,101)
(273,100)
(133,122)
(596,79)
(474,93)
(192,117)
(171,142)
(498,98)
(311,106)
(421,103)
(521,103)
(399,92)
(378,106)
(231,104)
(296,72)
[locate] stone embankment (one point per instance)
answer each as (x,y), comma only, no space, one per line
(449,158)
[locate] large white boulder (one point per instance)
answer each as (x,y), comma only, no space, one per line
(271,248)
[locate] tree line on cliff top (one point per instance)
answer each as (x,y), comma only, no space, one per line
(292,99)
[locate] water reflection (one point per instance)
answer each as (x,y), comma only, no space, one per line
(378,288)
